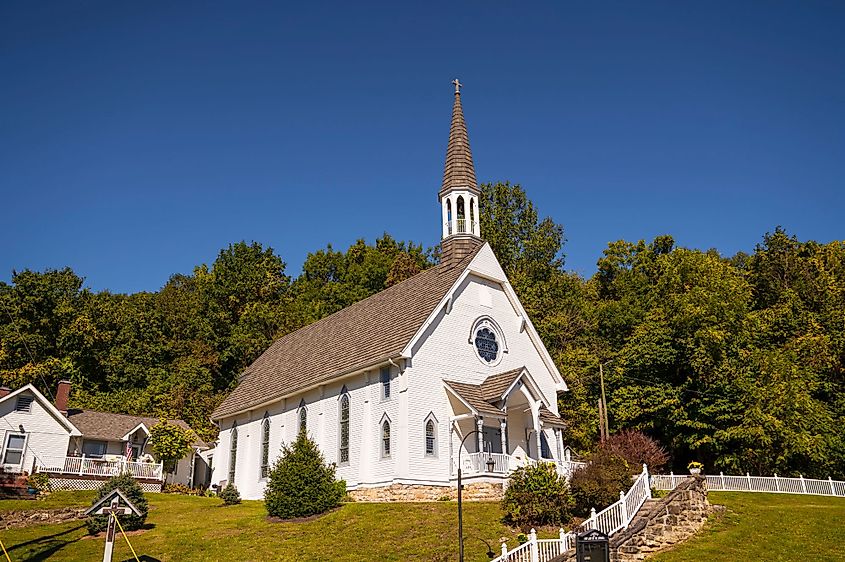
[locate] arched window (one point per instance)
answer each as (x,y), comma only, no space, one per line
(488,341)
(461,215)
(265,446)
(449,214)
(303,418)
(233,452)
(385,438)
(472,215)
(343,453)
(430,438)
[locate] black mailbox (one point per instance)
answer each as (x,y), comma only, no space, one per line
(592,546)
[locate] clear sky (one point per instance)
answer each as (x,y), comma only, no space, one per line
(139,138)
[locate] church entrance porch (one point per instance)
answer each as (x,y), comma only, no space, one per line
(513,428)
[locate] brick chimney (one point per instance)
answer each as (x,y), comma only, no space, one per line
(4,390)
(62,395)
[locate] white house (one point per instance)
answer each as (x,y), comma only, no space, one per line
(390,386)
(81,448)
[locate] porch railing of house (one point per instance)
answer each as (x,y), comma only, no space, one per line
(772,484)
(87,466)
(476,463)
(609,521)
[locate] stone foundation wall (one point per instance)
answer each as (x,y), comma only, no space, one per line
(25,518)
(476,491)
(671,520)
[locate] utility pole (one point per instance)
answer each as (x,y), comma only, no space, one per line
(603,423)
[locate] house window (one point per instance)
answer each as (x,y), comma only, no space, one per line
(486,344)
(24,404)
(343,453)
(430,438)
(384,377)
(13,452)
(265,446)
(233,453)
(96,449)
(303,418)
(385,438)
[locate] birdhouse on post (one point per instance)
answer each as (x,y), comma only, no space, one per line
(112,504)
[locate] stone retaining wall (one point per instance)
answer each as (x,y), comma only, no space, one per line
(24,518)
(476,491)
(671,520)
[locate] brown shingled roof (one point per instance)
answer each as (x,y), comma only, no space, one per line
(359,336)
(495,385)
(472,395)
(109,426)
(547,417)
(459,170)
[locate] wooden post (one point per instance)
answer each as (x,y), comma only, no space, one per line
(110,530)
(562,538)
(81,464)
(504,549)
(624,509)
(722,474)
(748,480)
(532,540)
(777,483)
(603,404)
(803,484)
(832,489)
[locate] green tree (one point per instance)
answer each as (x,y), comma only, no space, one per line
(300,482)
(170,443)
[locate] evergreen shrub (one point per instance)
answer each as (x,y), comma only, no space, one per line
(230,495)
(300,483)
(598,484)
(133,492)
(537,495)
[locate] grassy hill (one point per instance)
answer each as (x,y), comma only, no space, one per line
(768,527)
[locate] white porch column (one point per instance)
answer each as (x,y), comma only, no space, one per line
(539,442)
(479,424)
(452,465)
(503,425)
(558,443)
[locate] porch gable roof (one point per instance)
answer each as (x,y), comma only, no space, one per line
(472,396)
(548,418)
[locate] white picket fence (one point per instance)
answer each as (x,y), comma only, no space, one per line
(772,484)
(609,521)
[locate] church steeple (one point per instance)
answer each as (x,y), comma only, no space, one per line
(459,193)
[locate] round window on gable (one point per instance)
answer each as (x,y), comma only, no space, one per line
(488,342)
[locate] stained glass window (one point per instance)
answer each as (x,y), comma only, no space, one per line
(429,438)
(385,438)
(344,428)
(486,344)
(265,447)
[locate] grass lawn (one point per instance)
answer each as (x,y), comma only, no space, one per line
(189,528)
(52,501)
(771,527)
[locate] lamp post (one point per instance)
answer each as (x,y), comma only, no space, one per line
(490,465)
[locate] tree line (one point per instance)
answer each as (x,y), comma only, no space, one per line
(735,361)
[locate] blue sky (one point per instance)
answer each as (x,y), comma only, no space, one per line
(139,138)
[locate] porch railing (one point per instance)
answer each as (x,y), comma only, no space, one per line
(476,463)
(87,466)
(772,484)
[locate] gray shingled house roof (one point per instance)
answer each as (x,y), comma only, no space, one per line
(361,335)
(108,426)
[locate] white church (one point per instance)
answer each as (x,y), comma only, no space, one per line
(390,386)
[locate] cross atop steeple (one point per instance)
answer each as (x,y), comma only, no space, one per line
(458,85)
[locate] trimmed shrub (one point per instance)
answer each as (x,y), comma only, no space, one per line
(301,483)
(598,484)
(637,449)
(537,495)
(230,495)
(39,481)
(133,492)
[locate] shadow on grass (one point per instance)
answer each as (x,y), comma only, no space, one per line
(143,558)
(46,546)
